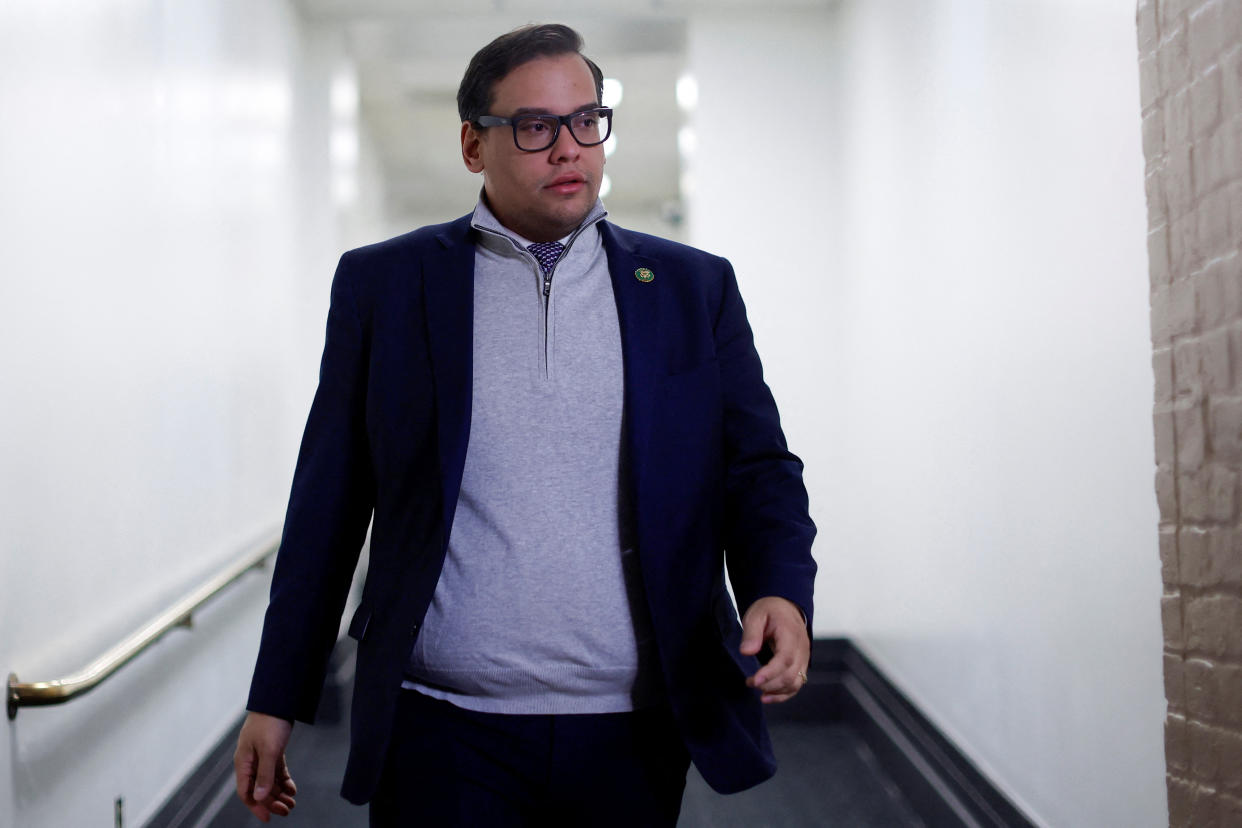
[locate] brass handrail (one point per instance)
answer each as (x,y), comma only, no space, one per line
(180,614)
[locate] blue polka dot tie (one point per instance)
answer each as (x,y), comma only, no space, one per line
(547,253)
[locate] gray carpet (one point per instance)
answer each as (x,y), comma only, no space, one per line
(827,777)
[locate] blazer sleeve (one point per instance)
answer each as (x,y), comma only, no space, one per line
(767,525)
(330,507)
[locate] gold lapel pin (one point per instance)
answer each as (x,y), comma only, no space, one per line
(644,275)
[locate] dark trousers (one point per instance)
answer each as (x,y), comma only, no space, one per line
(453,767)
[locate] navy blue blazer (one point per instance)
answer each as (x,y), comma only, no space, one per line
(385,443)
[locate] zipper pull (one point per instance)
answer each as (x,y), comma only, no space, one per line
(547,284)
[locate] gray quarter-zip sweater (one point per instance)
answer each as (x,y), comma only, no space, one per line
(538,608)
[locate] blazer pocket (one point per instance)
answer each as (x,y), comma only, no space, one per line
(360,622)
(683,370)
(730,629)
(726,620)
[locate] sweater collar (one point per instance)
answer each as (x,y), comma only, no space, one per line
(485,220)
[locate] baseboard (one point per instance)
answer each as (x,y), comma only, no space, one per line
(197,800)
(940,783)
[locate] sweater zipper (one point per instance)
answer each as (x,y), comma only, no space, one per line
(547,280)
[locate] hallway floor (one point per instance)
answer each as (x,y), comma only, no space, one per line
(828,777)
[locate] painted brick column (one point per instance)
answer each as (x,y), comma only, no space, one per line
(1190,66)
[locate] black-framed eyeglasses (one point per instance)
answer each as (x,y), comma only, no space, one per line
(532,133)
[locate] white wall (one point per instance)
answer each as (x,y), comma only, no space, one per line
(937,215)
(168,238)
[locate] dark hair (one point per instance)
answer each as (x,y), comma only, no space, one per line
(509,51)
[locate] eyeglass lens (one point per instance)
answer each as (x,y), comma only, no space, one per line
(537,132)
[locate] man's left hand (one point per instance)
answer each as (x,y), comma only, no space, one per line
(779,622)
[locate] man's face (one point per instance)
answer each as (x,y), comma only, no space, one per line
(540,195)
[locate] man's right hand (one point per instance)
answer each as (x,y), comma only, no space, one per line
(263,780)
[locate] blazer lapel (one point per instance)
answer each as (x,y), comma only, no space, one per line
(638,311)
(448,292)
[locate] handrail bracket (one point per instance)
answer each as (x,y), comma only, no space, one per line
(14,698)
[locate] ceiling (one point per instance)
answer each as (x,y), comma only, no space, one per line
(409,57)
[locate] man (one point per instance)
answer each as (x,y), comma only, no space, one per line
(561,431)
